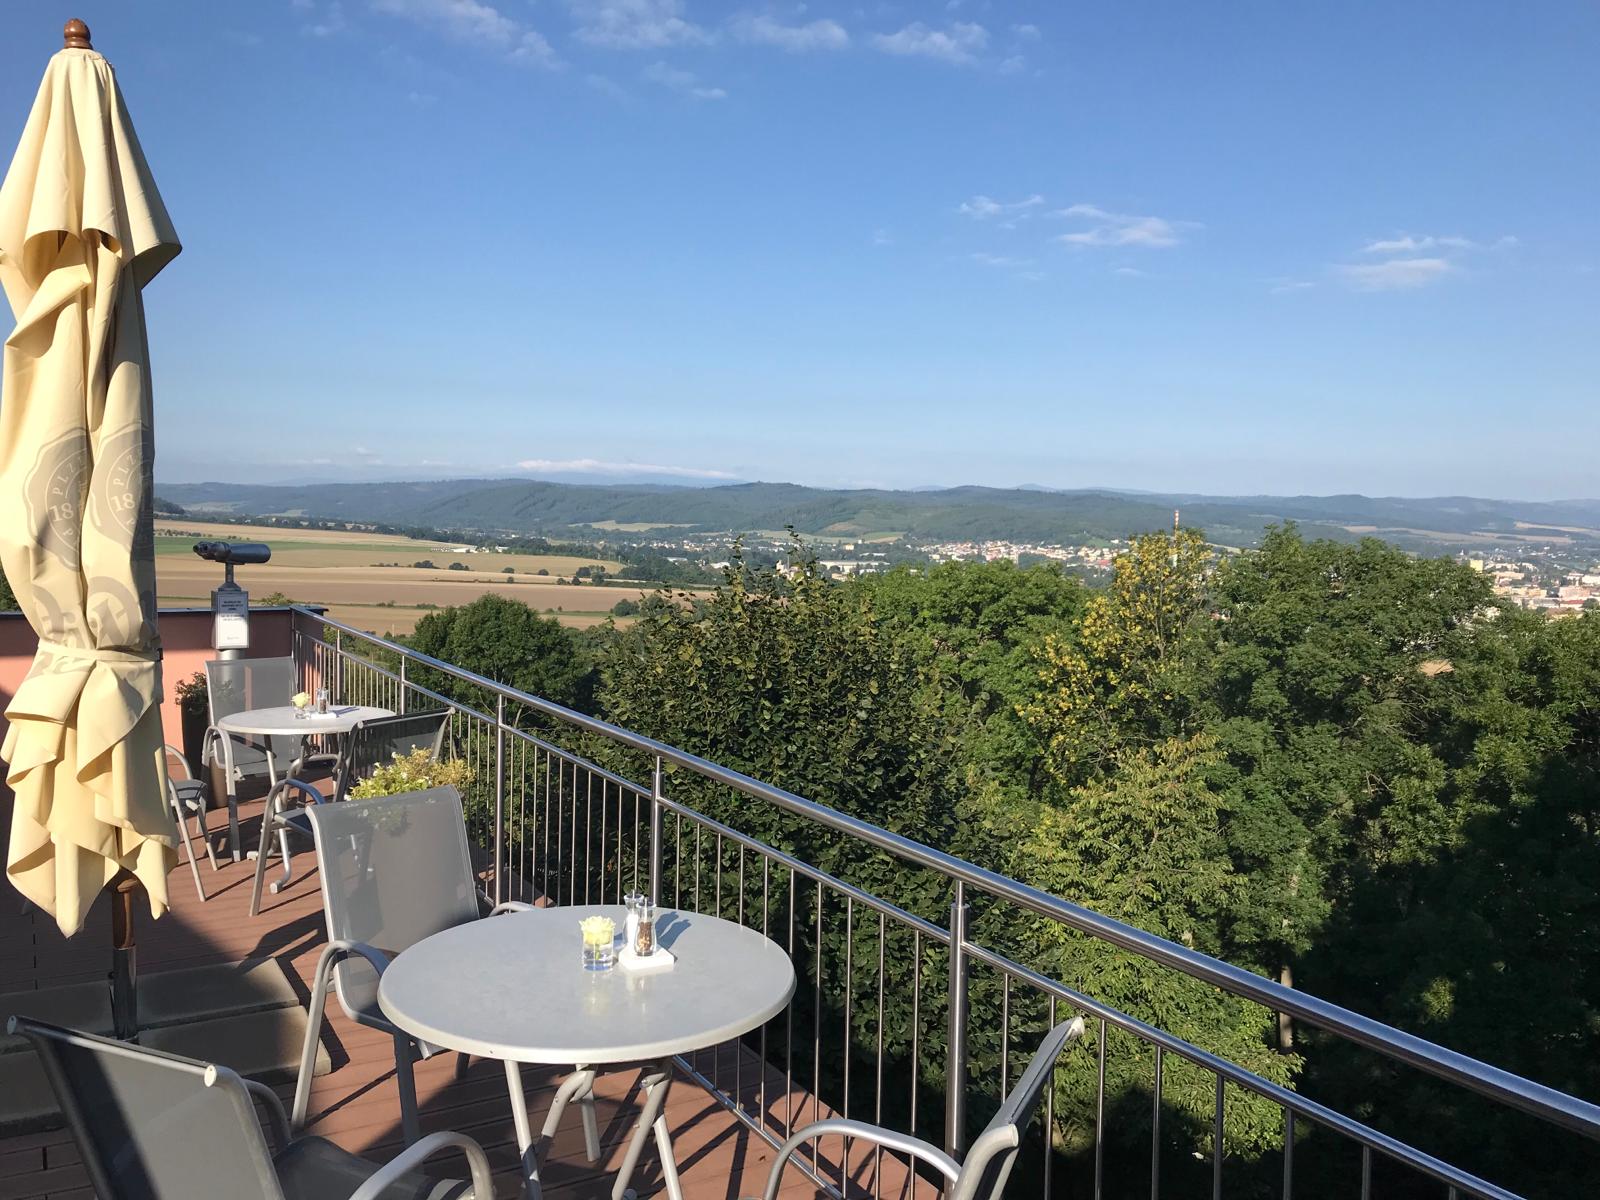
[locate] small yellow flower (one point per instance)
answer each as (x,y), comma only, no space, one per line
(299,699)
(598,931)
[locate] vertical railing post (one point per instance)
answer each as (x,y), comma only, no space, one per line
(655,834)
(338,666)
(402,704)
(955,1081)
(499,797)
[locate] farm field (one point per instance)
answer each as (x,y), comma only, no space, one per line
(337,569)
(321,548)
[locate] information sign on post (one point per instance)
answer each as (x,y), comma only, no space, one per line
(230,603)
(230,608)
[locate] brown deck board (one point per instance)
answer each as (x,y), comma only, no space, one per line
(356,1104)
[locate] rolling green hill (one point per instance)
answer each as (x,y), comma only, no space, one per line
(1022,514)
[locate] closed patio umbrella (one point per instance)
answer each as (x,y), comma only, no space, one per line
(82,230)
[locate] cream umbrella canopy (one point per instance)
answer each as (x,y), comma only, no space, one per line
(82,230)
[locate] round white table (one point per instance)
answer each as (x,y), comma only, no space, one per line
(512,987)
(284,721)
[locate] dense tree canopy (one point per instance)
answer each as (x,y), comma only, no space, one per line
(1331,763)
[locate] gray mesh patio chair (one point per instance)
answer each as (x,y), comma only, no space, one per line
(363,750)
(987,1167)
(237,685)
(153,1126)
(376,743)
(395,870)
(188,797)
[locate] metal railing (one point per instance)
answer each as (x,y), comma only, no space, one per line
(879,1026)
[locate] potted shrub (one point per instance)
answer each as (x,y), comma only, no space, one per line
(195,713)
(414,772)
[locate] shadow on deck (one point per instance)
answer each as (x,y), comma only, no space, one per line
(356,1104)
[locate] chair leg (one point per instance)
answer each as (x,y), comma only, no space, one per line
(200,822)
(410,1124)
(308,1050)
(269,812)
(463,1065)
(284,853)
(188,849)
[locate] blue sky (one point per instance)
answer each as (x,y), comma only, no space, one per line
(1228,247)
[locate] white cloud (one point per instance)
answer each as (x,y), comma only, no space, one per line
(594,466)
(330,25)
(960,42)
(634,24)
(1281,287)
(682,81)
(1000,260)
(1026,33)
(472,22)
(768,31)
(985,208)
(1409,244)
(1414,260)
(1121,229)
(882,237)
(1131,273)
(1398,274)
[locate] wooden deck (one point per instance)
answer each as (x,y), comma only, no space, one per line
(356,1104)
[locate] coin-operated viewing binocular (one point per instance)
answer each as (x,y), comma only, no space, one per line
(230,603)
(234,553)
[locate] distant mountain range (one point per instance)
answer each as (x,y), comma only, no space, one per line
(1028,514)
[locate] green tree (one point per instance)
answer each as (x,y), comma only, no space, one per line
(506,641)
(1144,844)
(972,629)
(1314,676)
(1121,680)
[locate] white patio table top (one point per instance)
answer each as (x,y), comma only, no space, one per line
(513,987)
(282,720)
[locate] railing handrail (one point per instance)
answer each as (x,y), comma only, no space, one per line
(1474,1075)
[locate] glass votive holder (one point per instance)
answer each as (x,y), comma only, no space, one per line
(599,943)
(322,701)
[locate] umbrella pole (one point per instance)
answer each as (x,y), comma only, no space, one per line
(124,964)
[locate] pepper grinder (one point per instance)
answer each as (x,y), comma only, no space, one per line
(644,936)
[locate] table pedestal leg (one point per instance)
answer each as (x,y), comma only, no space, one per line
(651,1120)
(525,1146)
(233,820)
(577,1086)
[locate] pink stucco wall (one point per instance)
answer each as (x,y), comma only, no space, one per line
(185,643)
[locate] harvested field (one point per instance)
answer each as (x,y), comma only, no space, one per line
(322,548)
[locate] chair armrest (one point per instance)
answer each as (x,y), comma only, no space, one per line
(172,752)
(274,800)
(277,1119)
(211,735)
(511,906)
(342,948)
(418,1153)
(888,1139)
